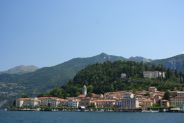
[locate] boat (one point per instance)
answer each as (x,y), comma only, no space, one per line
(152,111)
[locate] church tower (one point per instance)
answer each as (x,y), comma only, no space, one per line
(84,90)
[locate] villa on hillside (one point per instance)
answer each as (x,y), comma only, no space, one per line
(153,74)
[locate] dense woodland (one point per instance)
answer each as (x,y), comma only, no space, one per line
(106,77)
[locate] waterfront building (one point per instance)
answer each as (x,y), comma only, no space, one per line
(85,102)
(114,95)
(144,101)
(49,101)
(103,103)
(129,101)
(156,97)
(164,103)
(27,102)
(20,102)
(41,101)
(62,102)
(177,99)
(121,99)
(73,103)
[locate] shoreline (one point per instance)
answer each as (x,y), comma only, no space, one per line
(133,111)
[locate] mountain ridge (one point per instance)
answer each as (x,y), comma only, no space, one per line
(21,69)
(174,62)
(139,59)
(47,77)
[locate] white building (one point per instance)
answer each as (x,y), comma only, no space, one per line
(20,102)
(63,102)
(153,74)
(73,103)
(27,102)
(123,75)
(49,101)
(128,102)
(102,103)
(41,101)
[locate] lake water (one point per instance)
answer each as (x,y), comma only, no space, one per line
(89,117)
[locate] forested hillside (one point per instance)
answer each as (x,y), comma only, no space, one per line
(106,77)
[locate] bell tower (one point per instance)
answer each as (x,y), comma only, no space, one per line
(84,90)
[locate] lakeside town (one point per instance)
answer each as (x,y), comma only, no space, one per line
(150,100)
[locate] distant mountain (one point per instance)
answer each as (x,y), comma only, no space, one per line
(174,63)
(45,78)
(139,59)
(21,69)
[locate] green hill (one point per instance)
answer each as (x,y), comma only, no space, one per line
(106,77)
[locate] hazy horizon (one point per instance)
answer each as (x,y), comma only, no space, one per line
(46,33)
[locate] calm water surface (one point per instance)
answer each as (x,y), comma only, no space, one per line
(89,117)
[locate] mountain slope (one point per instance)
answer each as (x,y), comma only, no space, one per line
(21,69)
(139,59)
(45,78)
(173,63)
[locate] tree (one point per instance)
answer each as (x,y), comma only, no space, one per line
(24,96)
(167,95)
(90,89)
(57,92)
(181,77)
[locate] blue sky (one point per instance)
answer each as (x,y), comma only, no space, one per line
(48,32)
